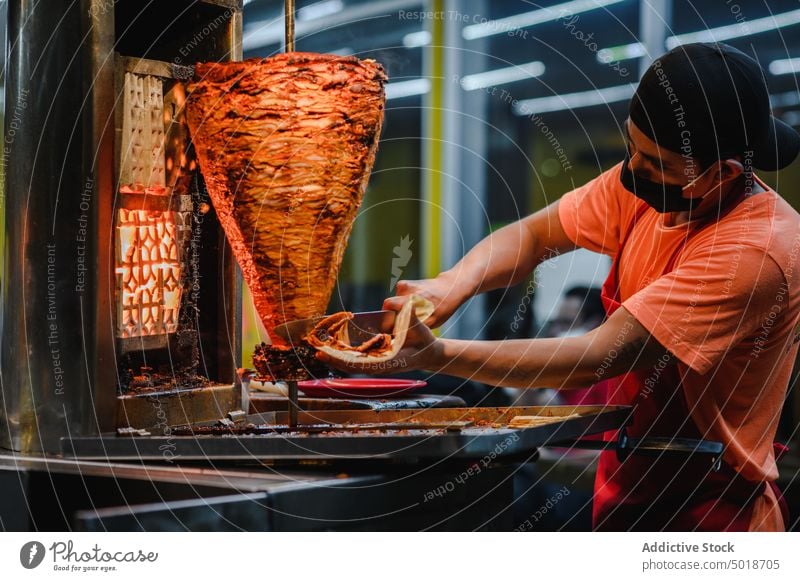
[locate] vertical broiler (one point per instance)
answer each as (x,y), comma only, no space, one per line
(121,299)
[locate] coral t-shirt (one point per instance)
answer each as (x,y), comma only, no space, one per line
(728,311)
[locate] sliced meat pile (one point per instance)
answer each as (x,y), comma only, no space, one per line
(286,145)
(332,332)
(330,335)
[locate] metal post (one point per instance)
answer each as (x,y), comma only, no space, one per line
(289,46)
(655,19)
(293,403)
(473,151)
(455,151)
(289,22)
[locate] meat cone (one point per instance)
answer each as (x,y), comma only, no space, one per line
(286,145)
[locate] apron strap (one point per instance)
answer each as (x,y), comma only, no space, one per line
(780,451)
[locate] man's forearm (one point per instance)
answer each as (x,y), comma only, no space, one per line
(618,346)
(500,260)
(523,363)
(508,255)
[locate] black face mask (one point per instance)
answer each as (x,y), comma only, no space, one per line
(661,197)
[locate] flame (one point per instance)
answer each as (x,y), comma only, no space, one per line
(148,272)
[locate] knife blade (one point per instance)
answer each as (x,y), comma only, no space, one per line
(360,328)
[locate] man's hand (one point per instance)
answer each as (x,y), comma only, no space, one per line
(446,292)
(421,350)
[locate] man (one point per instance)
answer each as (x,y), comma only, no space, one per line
(579,311)
(702,300)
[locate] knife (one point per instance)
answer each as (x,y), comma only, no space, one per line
(655,446)
(360,328)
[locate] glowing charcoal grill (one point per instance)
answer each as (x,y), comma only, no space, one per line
(148,273)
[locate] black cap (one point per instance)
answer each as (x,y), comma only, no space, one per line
(709,102)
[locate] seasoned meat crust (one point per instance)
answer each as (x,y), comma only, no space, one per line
(286,145)
(281,363)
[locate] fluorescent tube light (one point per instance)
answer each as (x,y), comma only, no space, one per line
(502,76)
(738,30)
(621,53)
(417,39)
(527,19)
(319,10)
(728,32)
(785,67)
(573,100)
(409,88)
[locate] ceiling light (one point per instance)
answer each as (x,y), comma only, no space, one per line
(621,53)
(728,32)
(502,76)
(417,39)
(785,67)
(527,19)
(261,33)
(410,88)
(573,100)
(319,10)
(738,30)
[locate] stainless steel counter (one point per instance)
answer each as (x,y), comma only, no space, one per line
(55,494)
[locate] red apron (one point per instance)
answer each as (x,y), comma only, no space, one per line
(674,493)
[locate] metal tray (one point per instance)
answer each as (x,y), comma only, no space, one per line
(459,433)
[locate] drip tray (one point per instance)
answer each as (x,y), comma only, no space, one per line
(401,435)
(261,402)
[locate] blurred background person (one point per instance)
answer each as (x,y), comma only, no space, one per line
(579,311)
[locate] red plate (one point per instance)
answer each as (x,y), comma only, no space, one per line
(356,388)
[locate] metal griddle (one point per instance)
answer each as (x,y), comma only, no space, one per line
(399,435)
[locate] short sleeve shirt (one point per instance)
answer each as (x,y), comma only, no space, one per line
(728,310)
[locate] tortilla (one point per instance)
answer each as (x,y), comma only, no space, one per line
(423,308)
(386,351)
(534,421)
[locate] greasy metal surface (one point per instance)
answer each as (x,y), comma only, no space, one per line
(244,479)
(261,402)
(396,500)
(486,436)
(57,348)
(492,415)
(142,66)
(109,496)
(172,408)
